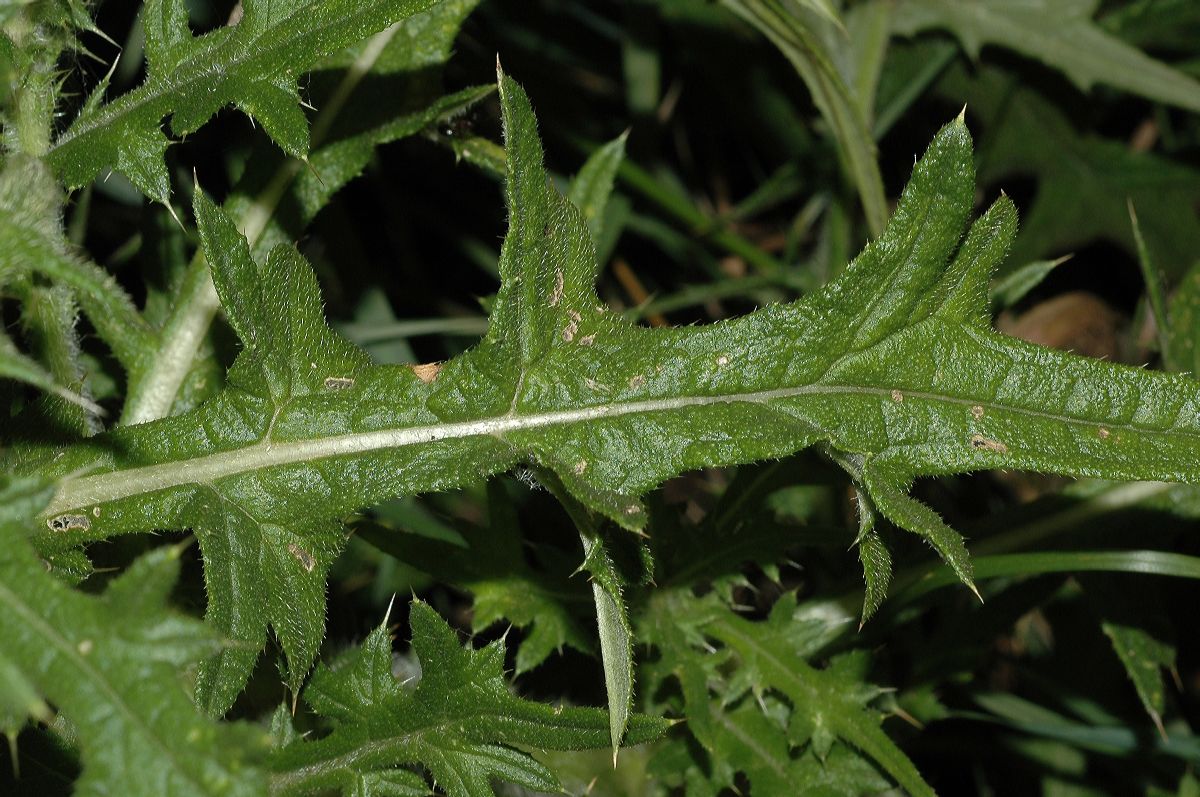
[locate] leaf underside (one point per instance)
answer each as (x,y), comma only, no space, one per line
(893,367)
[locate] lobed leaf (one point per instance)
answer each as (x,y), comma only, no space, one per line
(1060,33)
(459,721)
(492,566)
(253,63)
(893,365)
(110,664)
(825,736)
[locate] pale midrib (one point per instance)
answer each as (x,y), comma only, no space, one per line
(848,723)
(403,744)
(89,491)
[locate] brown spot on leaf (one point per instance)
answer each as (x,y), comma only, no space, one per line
(427,372)
(556,297)
(302,556)
(982,443)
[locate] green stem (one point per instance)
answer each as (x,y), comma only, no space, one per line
(809,56)
(48,315)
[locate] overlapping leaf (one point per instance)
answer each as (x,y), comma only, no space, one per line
(893,365)
(782,722)
(253,63)
(1060,33)
(459,721)
(110,664)
(546,603)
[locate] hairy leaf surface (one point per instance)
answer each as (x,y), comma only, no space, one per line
(893,365)
(740,721)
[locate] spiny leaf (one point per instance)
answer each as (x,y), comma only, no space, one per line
(616,635)
(612,618)
(459,721)
(32,241)
(893,364)
(253,64)
(260,570)
(810,739)
(1059,33)
(277,197)
(110,664)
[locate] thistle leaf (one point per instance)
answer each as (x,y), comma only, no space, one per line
(459,721)
(1060,33)
(893,364)
(253,64)
(110,664)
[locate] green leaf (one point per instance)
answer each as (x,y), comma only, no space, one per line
(1067,164)
(826,731)
(259,569)
(797,32)
(1184,315)
(253,64)
(459,721)
(32,241)
(278,197)
(616,635)
(1142,639)
(110,664)
(893,364)
(492,566)
(1014,286)
(591,188)
(820,698)
(1061,34)
(612,617)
